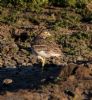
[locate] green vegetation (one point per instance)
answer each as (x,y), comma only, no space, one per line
(73,3)
(68,20)
(78,44)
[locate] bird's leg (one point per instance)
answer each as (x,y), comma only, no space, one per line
(42,60)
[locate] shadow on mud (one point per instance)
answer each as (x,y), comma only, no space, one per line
(28,77)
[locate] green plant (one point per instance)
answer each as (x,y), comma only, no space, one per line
(11,17)
(39,2)
(71,3)
(68,20)
(76,44)
(23,2)
(86,15)
(63,2)
(82,3)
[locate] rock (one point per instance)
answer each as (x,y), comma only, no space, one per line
(89,6)
(79,58)
(71,78)
(7,81)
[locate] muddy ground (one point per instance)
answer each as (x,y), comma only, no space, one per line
(67,79)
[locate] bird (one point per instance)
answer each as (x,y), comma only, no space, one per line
(44,46)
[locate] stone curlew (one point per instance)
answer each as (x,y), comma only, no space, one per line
(45,47)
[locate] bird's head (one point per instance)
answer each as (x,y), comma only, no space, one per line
(45,34)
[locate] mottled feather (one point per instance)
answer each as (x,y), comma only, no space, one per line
(44,46)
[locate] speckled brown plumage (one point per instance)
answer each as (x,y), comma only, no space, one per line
(44,47)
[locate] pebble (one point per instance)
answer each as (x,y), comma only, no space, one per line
(7,81)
